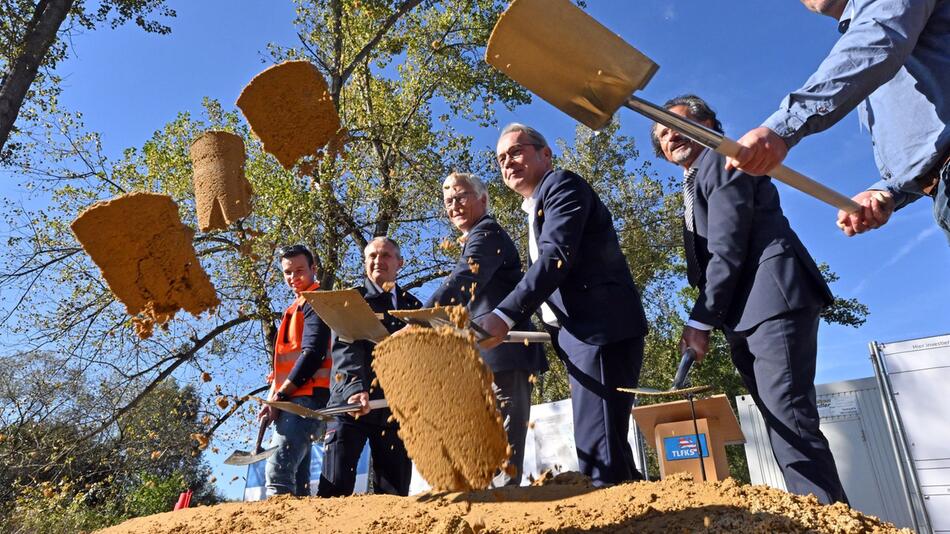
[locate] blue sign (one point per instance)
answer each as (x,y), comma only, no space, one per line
(684,447)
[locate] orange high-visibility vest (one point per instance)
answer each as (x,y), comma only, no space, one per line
(287,350)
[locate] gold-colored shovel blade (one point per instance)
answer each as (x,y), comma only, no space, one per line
(567,58)
(347,314)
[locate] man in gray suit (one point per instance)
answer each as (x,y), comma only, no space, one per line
(488,269)
(758,284)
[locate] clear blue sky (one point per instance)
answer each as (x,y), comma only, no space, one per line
(741,56)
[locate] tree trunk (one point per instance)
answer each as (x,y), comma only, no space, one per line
(48,16)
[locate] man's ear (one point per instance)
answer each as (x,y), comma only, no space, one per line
(546,152)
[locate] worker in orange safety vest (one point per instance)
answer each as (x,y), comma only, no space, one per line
(301,375)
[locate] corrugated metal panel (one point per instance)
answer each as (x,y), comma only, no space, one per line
(914,375)
(853,421)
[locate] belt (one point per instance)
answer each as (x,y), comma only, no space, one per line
(928,182)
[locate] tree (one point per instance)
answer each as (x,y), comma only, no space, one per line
(32,37)
(402,74)
(406,78)
(46,406)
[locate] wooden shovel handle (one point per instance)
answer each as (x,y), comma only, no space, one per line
(260,436)
(530,337)
(799,181)
(727,147)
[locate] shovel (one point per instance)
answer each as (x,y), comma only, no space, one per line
(680,381)
(432,317)
(247,458)
(325,414)
(569,59)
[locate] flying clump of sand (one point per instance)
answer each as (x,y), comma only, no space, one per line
(290,110)
(439,390)
(222,193)
(147,258)
(566,503)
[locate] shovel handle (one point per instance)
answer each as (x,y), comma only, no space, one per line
(727,147)
(682,372)
(376,404)
(530,337)
(260,436)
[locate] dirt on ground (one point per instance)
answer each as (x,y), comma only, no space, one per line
(289,108)
(440,391)
(566,503)
(222,193)
(147,258)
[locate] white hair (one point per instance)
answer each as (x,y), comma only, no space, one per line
(472,181)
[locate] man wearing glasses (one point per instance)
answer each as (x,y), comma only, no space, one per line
(580,280)
(488,269)
(301,375)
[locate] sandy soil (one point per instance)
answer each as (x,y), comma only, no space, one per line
(146,256)
(566,503)
(288,107)
(222,193)
(440,391)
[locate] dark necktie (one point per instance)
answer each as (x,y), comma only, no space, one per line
(689,227)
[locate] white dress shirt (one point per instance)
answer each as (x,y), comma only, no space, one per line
(547,314)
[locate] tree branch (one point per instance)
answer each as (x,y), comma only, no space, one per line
(48,16)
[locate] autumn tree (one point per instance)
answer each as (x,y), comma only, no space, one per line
(404,76)
(34,38)
(47,468)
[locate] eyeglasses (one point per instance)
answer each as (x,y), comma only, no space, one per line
(461,198)
(514,152)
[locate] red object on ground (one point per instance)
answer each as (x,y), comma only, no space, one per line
(184,500)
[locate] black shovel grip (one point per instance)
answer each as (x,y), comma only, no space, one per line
(260,436)
(682,372)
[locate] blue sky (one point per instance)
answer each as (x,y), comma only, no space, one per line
(742,56)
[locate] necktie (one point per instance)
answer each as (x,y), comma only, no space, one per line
(689,227)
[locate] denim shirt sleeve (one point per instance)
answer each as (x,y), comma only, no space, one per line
(880,37)
(901,198)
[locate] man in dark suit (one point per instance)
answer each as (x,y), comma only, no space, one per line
(580,280)
(758,284)
(352,381)
(488,269)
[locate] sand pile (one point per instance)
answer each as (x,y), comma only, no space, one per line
(439,390)
(289,108)
(222,193)
(146,256)
(566,503)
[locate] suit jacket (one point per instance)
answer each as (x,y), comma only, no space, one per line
(752,264)
(580,271)
(487,271)
(352,361)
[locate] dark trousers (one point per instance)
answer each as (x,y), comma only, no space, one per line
(776,360)
(601,413)
(513,394)
(346,436)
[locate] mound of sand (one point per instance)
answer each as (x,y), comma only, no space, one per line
(222,193)
(147,258)
(289,108)
(566,503)
(439,390)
